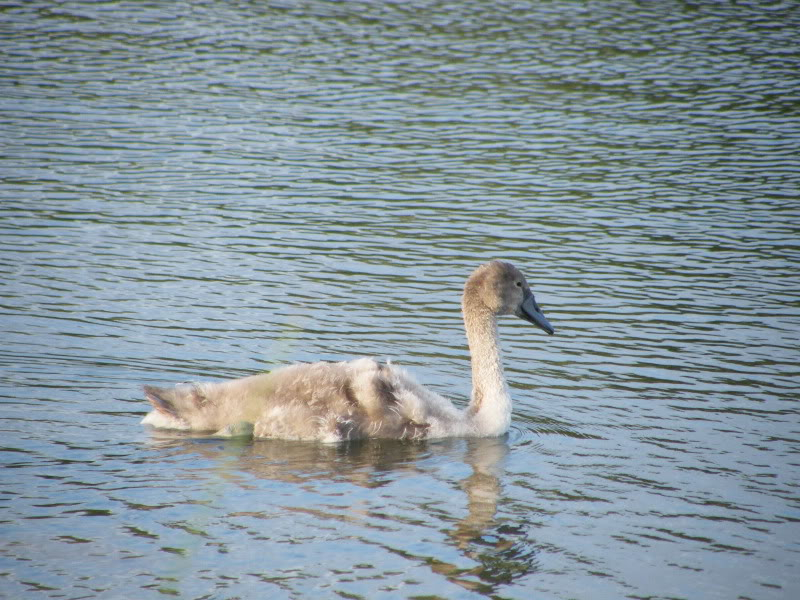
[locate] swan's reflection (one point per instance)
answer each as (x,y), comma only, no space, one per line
(499,548)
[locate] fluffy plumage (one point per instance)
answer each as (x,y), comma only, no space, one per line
(363,398)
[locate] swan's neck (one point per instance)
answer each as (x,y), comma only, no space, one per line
(489,410)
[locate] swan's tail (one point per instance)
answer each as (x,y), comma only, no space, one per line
(174,407)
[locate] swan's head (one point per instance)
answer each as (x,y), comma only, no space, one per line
(501,288)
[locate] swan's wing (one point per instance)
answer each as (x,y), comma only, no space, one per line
(317,401)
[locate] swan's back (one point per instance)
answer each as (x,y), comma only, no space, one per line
(319,401)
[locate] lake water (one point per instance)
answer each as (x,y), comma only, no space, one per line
(203,190)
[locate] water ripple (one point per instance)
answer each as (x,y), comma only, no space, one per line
(208,190)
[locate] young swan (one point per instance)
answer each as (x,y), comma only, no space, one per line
(363,398)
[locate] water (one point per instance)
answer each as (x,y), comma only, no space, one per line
(207,190)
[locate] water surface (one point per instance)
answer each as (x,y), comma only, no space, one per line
(207,190)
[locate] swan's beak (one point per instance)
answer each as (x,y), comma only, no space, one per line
(531,312)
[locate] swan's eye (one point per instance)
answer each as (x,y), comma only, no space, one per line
(518,284)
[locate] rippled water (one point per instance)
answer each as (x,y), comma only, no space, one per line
(209,189)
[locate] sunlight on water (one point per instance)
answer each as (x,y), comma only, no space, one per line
(209,190)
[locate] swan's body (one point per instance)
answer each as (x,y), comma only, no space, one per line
(363,398)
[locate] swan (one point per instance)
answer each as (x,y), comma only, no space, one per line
(363,398)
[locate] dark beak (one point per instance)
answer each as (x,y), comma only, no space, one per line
(531,312)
